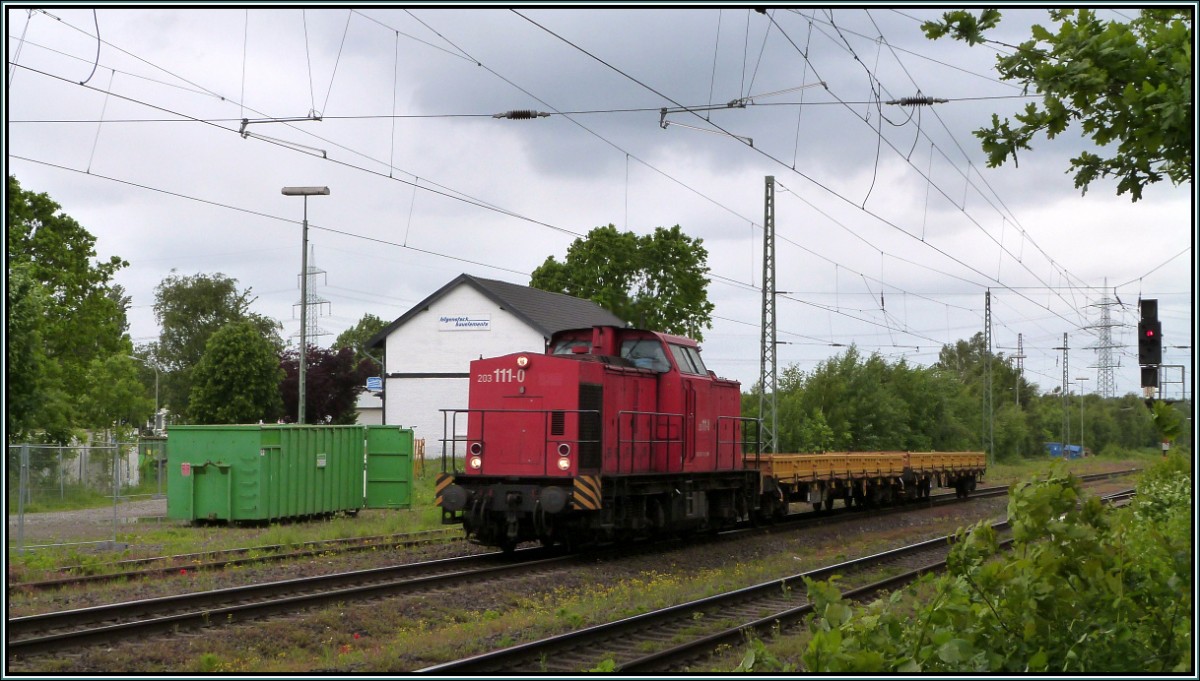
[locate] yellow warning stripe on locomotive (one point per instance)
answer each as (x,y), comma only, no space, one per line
(441,482)
(587,493)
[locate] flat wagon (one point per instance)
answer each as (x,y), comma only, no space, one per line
(863,478)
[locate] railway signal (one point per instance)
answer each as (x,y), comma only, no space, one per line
(1149,339)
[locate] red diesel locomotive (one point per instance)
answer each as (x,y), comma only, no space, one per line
(612,433)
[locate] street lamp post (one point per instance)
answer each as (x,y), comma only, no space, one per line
(155,367)
(1081,379)
(305,192)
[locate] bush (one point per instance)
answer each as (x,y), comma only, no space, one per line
(1084,589)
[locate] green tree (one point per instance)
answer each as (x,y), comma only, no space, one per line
(189,310)
(33,381)
(356,338)
(332,381)
(1125,83)
(655,281)
(237,378)
(115,397)
(80,318)
(1168,421)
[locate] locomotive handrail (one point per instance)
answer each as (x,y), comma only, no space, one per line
(452,442)
(739,444)
(668,441)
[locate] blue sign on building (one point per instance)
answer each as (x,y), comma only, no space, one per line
(374,383)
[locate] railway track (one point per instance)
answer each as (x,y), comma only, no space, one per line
(108,623)
(666,640)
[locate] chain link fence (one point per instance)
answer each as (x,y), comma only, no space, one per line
(67,495)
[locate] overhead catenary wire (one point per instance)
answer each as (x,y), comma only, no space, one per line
(966,176)
(969,217)
(485,114)
(768,155)
(311,225)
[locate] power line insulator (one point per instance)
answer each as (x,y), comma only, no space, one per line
(521,114)
(919,100)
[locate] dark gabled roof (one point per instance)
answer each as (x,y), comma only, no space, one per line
(544,311)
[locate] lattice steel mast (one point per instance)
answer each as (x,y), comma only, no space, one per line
(768,373)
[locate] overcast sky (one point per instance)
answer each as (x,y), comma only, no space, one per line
(890,227)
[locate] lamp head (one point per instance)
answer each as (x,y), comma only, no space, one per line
(306,191)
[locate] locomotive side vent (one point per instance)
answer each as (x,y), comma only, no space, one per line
(558,422)
(591,397)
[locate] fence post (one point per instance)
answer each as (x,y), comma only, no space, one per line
(116,487)
(22,491)
(160,465)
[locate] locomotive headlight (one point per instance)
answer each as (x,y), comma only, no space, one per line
(522,361)
(476,462)
(564,463)
(564,449)
(476,448)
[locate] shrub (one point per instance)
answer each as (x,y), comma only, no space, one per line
(1084,589)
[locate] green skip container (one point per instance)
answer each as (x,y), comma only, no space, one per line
(256,473)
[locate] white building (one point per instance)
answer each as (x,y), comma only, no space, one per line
(370,409)
(428,349)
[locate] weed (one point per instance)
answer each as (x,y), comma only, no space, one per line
(573,619)
(209,663)
(606,667)
(759,659)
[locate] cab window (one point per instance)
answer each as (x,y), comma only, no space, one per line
(685,360)
(646,353)
(567,347)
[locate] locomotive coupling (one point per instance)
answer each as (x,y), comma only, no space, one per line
(554,499)
(454,498)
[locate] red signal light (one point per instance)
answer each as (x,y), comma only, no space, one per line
(1149,333)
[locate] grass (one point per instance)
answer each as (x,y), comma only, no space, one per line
(177,537)
(1006,472)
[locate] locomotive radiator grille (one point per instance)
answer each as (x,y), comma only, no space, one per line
(441,482)
(587,493)
(591,399)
